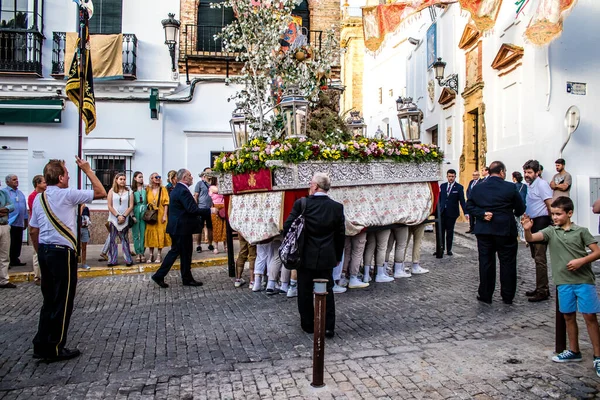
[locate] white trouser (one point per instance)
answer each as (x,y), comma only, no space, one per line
(4,250)
(263,257)
(337,271)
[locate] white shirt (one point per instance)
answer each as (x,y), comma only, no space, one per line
(538,191)
(63,202)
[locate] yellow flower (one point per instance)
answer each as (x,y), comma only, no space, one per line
(434,153)
(404,151)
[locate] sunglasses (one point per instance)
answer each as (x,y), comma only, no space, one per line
(158,177)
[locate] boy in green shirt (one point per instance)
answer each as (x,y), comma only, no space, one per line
(572,274)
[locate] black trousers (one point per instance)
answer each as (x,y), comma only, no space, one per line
(471,223)
(16,242)
(58,265)
(506,247)
(305,297)
(448,231)
(182,247)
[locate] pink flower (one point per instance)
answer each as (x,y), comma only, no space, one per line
(255,157)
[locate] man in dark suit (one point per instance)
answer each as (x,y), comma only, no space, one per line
(324,232)
(470,187)
(495,203)
(183,223)
(451,194)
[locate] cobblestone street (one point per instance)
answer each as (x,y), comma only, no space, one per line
(422,337)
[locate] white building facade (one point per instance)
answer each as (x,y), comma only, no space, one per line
(191,126)
(512,96)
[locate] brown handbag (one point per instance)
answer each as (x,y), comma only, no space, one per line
(151,213)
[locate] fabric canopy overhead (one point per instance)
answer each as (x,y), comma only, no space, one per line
(545,25)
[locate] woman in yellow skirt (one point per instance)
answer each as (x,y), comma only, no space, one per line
(156,234)
(218,223)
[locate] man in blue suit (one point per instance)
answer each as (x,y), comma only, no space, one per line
(183,223)
(495,203)
(470,187)
(451,194)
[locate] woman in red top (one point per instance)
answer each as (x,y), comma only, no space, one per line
(39,185)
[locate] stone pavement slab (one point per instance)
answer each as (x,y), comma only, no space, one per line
(424,337)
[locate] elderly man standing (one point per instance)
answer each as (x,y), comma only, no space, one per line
(182,224)
(324,236)
(6,206)
(17,219)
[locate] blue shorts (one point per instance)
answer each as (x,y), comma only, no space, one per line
(581,297)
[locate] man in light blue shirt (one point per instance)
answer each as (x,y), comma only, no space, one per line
(6,206)
(17,219)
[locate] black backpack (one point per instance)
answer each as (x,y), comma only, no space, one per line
(290,251)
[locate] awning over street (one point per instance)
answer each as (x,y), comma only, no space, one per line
(31,111)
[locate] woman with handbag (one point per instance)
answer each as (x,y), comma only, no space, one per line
(120,207)
(140,204)
(156,217)
(219,222)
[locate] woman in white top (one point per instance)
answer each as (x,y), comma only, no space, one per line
(120,206)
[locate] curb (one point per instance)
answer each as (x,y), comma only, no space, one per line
(122,269)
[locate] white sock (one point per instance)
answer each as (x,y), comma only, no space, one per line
(257,279)
(271,284)
(367,270)
(399,267)
(293,282)
(284,286)
(381,271)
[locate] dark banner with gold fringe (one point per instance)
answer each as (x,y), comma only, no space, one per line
(73,85)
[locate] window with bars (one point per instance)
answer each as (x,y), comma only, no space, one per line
(108,17)
(20,36)
(106,167)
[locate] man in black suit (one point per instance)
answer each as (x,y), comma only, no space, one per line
(183,223)
(495,203)
(451,194)
(470,187)
(324,232)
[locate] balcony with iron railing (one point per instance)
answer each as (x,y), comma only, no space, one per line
(130,42)
(21,52)
(200,42)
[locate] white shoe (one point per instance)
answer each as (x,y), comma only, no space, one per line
(416,269)
(239,282)
(257,284)
(292,291)
(343,282)
(401,273)
(338,289)
(356,283)
(382,276)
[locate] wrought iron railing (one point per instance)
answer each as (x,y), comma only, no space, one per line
(21,52)
(200,42)
(129,55)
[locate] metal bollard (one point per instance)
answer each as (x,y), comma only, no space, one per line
(320,291)
(560,330)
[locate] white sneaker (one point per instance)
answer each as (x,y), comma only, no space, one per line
(339,289)
(356,283)
(367,274)
(343,282)
(239,282)
(401,273)
(257,285)
(292,291)
(416,269)
(382,276)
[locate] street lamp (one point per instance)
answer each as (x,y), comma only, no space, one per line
(409,117)
(356,124)
(171,27)
(451,81)
(239,127)
(294,109)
